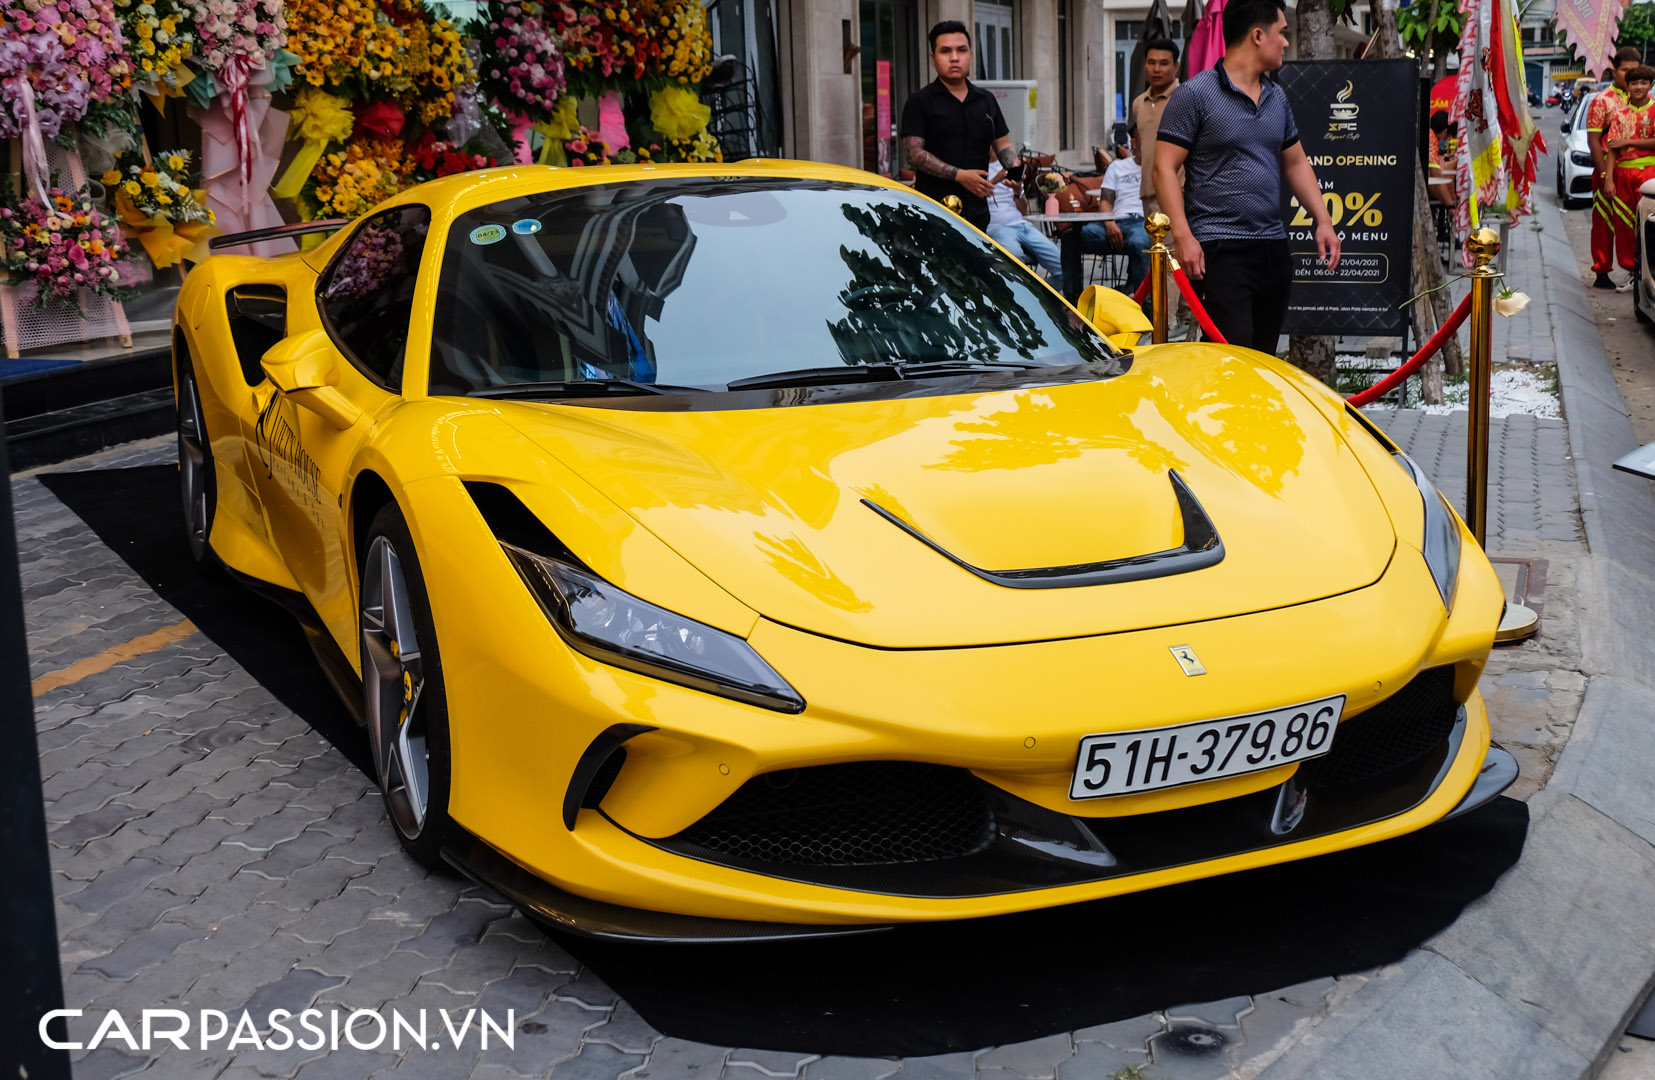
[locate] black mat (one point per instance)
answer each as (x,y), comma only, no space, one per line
(136,513)
(925,989)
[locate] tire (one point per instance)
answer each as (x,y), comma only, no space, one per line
(403,696)
(1562,190)
(197,481)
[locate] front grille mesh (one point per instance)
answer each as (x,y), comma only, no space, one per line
(1397,732)
(861,814)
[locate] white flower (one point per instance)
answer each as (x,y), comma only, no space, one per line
(1509,303)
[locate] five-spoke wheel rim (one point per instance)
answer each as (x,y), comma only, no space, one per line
(192,465)
(392,680)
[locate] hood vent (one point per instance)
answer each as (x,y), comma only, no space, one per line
(1201,548)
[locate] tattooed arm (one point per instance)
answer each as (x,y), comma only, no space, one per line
(1106,203)
(1004,153)
(922,160)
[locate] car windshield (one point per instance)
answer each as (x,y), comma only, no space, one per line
(698,283)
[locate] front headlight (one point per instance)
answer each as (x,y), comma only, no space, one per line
(1441,542)
(617,628)
(1582,159)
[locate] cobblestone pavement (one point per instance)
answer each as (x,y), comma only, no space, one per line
(212,851)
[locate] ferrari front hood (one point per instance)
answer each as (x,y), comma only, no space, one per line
(906,522)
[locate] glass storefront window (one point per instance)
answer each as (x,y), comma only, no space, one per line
(996,58)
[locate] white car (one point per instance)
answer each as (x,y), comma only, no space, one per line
(1574,161)
(1643,274)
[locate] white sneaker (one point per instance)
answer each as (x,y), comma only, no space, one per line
(1625,286)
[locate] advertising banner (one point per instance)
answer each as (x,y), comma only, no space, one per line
(1358,121)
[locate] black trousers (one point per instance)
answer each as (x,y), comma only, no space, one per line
(1245,290)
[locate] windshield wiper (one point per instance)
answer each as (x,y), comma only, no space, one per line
(577,388)
(853,373)
(810,376)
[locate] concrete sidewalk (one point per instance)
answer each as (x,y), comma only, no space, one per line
(212,851)
(1540,977)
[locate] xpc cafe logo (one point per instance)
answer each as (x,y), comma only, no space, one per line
(1341,114)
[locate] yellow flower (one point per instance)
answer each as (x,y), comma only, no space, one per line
(132,187)
(112,177)
(174,162)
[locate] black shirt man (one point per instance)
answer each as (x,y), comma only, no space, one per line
(950,128)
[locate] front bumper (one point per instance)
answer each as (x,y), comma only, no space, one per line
(1283,816)
(524,709)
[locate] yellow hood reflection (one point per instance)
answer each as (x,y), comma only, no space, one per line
(769,502)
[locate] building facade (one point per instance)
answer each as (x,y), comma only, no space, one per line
(827,78)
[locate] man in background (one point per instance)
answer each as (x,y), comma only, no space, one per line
(1606,203)
(1127,235)
(1008,229)
(1232,129)
(1161,73)
(1442,164)
(952,129)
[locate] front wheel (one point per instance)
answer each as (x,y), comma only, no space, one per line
(402,689)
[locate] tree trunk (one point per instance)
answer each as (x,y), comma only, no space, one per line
(1439,55)
(1427,267)
(1315,38)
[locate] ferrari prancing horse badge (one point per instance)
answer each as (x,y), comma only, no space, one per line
(1188,660)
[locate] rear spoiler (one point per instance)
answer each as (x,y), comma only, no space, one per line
(277,232)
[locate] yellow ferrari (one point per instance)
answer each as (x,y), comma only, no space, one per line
(757,550)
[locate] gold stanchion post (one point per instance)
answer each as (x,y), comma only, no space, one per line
(1160,259)
(1484,246)
(1519,622)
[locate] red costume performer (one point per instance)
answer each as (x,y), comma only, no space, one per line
(1599,116)
(1630,140)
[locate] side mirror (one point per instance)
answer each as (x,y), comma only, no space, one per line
(1114,315)
(1566,127)
(305,367)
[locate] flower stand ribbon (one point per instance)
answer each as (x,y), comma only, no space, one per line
(35,168)
(318,118)
(235,76)
(678,113)
(166,242)
(240,206)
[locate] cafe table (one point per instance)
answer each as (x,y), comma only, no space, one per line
(1069,243)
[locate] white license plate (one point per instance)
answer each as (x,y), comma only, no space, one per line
(1127,762)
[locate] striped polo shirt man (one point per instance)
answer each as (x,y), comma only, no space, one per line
(1233,132)
(1232,177)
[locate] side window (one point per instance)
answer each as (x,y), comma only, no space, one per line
(368,294)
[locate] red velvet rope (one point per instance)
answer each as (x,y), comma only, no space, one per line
(1391,381)
(1201,315)
(1372,393)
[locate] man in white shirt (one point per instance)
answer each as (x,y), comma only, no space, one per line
(1008,229)
(1121,193)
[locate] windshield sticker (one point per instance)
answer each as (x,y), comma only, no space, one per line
(526,226)
(488,234)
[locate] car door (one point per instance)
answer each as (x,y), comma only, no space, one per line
(305,437)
